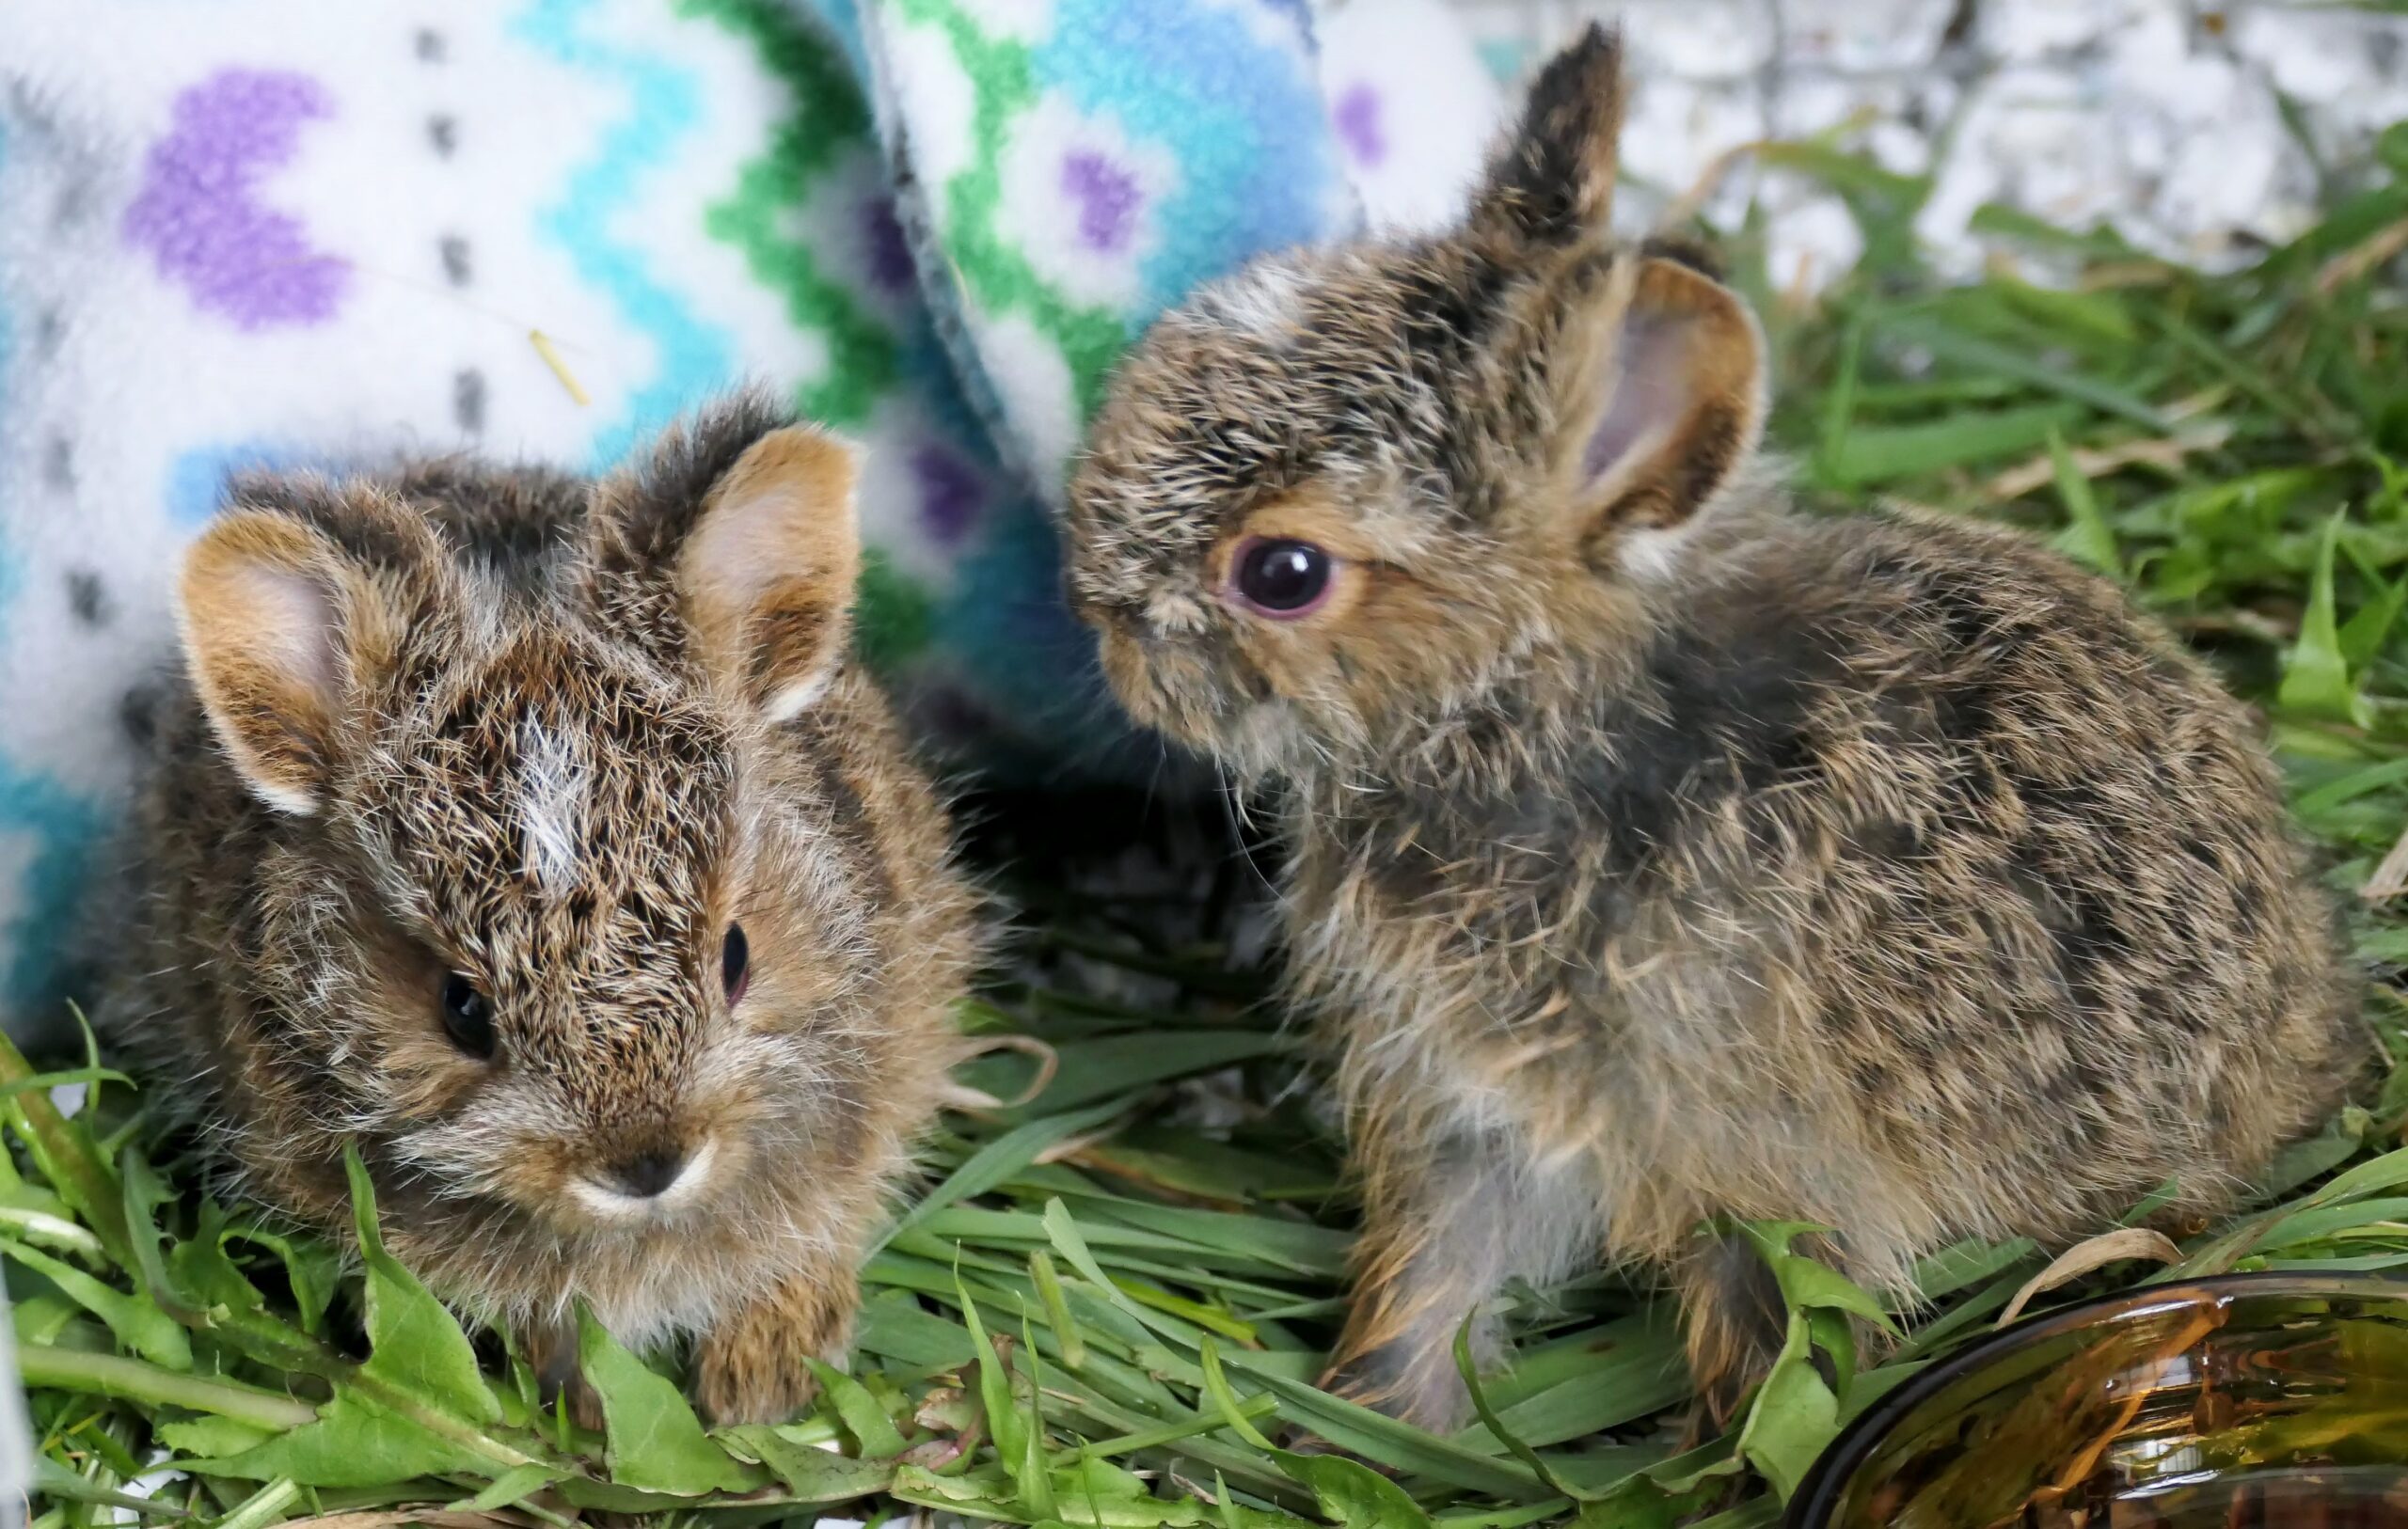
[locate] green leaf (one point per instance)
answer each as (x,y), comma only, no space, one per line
(1057,1310)
(871,1429)
(1146,1294)
(55,1481)
(1297,1246)
(1168,1158)
(200,1265)
(144,1192)
(63,1152)
(414,1342)
(2087,538)
(1094,1481)
(2316,677)
(2304,1226)
(311,1266)
(1487,1415)
(1871,454)
(2350,785)
(354,1443)
(2099,316)
(1794,1417)
(1883,202)
(1033,1473)
(894,1328)
(212,1437)
(1351,1493)
(2361,635)
(655,1441)
(2386,1172)
(1377,1437)
(270,1504)
(138,1323)
(994,1383)
(1643,1505)
(1998,221)
(2391,148)
(1981,356)
(511,1488)
(1954,1268)
(1108,1069)
(1063,1229)
(89,1374)
(1000,1160)
(1838,413)
(1806,1284)
(1620,1373)
(815,1475)
(1218,1391)
(47,1080)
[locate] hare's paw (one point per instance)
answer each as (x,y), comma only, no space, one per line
(752,1366)
(1411,1378)
(1735,1321)
(551,1349)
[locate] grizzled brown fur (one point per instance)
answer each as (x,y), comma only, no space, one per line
(556,736)
(1660,853)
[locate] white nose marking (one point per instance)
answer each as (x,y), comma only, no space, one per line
(616,1205)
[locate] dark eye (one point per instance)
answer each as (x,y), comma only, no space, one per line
(735,964)
(467,1018)
(1281,578)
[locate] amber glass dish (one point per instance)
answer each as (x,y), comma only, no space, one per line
(2251,1399)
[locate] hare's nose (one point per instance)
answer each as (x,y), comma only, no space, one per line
(648,1175)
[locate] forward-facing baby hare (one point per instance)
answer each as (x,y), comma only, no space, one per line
(538,836)
(1660,853)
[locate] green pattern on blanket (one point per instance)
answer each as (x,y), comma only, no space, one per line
(827,119)
(994,271)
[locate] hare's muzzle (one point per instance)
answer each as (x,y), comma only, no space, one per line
(645,1181)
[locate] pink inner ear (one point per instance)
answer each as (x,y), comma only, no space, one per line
(294,621)
(1650,395)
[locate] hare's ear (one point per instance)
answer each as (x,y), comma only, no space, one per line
(1552,182)
(768,571)
(1662,398)
(735,546)
(277,626)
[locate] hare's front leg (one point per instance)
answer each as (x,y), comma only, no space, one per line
(752,1366)
(1733,1319)
(1446,1222)
(552,1350)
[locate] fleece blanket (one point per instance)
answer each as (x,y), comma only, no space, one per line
(281,232)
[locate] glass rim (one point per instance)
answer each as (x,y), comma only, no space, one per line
(1816,1498)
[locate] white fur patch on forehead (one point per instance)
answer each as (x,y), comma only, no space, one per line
(552,780)
(1264,299)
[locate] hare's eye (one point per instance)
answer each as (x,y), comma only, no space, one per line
(1279,577)
(735,964)
(467,1018)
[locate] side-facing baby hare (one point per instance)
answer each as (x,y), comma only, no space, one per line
(1659,853)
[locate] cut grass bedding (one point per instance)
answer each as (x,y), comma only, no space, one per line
(1107,1304)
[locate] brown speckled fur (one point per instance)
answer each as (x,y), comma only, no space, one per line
(507,628)
(1660,853)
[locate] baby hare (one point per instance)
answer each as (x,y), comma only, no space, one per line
(1660,853)
(538,836)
